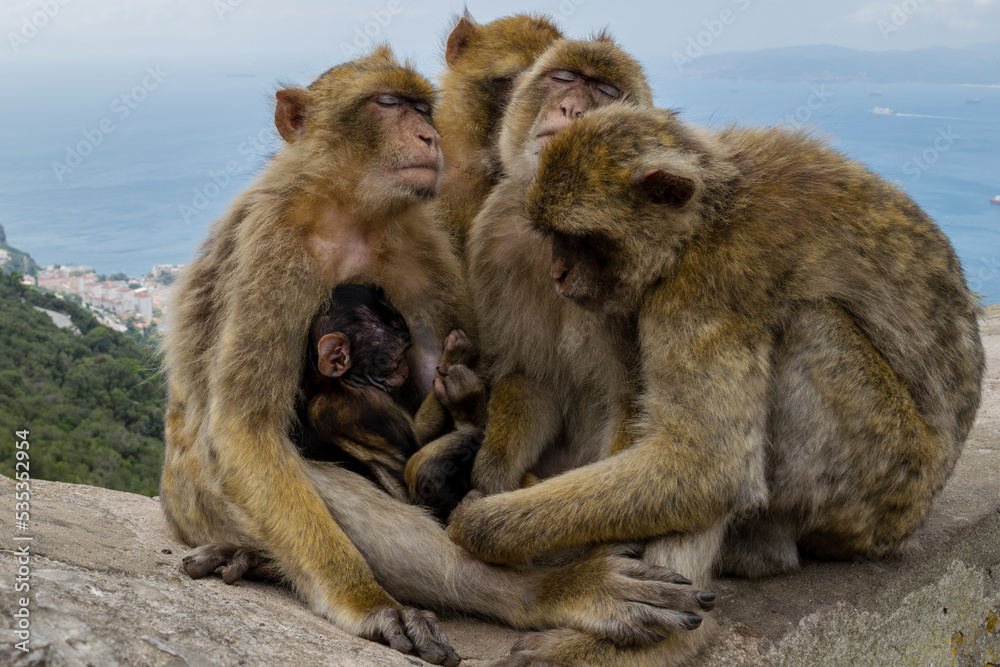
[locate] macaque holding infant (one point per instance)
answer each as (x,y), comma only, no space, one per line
(355,360)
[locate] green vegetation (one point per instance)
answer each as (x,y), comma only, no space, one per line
(93,403)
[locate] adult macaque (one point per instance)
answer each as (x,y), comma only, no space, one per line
(555,400)
(344,202)
(809,356)
(482,63)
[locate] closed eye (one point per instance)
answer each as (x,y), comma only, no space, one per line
(388,101)
(609,90)
(563,76)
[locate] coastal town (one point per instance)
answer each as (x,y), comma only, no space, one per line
(117,301)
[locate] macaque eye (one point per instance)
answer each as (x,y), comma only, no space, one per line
(609,90)
(387,101)
(422,107)
(563,76)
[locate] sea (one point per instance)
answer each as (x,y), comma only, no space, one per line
(123,165)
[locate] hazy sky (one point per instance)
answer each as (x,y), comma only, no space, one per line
(76,30)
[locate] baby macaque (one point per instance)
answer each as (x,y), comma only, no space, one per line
(357,358)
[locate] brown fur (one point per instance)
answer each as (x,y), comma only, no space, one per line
(482,63)
(326,211)
(355,359)
(564,380)
(321,214)
(810,357)
(550,385)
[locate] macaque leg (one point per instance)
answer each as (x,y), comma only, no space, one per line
(432,419)
(523,421)
(855,466)
(606,591)
(438,475)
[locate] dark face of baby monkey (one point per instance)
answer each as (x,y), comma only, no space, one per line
(361,339)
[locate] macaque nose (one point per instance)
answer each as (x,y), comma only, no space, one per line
(572,108)
(429,137)
(559,269)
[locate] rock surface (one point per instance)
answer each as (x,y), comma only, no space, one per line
(106,590)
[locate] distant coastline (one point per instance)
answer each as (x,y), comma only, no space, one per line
(977,65)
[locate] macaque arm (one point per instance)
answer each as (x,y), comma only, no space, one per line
(431,421)
(523,420)
(606,590)
(260,469)
(383,459)
(285,513)
(699,455)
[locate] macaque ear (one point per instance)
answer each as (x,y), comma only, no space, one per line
(662,187)
(458,40)
(290,113)
(334,354)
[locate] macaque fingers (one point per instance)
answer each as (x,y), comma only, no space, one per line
(409,629)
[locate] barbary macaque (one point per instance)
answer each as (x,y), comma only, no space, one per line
(809,360)
(482,62)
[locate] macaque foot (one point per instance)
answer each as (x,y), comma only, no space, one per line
(459,349)
(410,630)
(462,392)
(611,593)
(437,476)
(550,648)
(236,563)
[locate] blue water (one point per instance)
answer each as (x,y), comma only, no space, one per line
(145,193)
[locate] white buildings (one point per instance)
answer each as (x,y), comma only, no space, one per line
(113,297)
(160,269)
